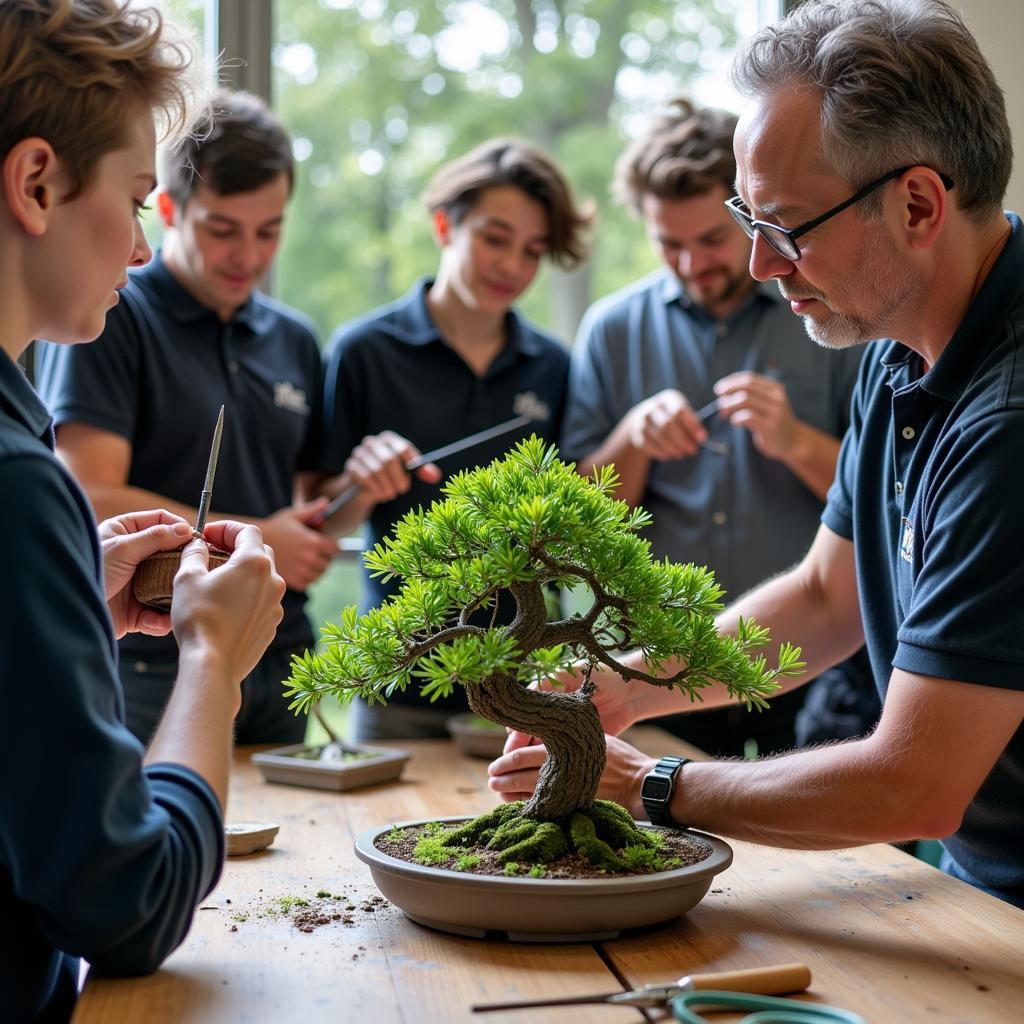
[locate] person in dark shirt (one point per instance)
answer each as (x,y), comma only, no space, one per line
(192,333)
(449,359)
(105,851)
(873,157)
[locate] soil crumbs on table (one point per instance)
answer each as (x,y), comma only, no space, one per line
(679,850)
(306,912)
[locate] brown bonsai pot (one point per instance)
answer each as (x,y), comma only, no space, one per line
(153,581)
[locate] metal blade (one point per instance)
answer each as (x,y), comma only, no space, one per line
(211,472)
(528,1004)
(462,444)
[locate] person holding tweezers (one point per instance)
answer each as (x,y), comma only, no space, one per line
(106,849)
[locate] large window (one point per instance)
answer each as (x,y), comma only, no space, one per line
(378,93)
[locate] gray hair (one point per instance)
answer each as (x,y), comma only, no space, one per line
(903,82)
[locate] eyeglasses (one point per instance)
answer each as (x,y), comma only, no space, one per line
(783,240)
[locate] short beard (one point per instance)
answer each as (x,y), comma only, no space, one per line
(733,286)
(895,285)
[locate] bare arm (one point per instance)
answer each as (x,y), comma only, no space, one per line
(100,461)
(815,606)
(894,785)
(223,622)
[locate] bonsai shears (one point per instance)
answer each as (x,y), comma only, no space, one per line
(760,980)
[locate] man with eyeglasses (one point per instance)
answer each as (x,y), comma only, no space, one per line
(699,386)
(872,160)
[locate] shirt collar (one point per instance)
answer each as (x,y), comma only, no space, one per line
(984,323)
(419,327)
(24,405)
(181,305)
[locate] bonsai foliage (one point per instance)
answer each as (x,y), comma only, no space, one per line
(504,533)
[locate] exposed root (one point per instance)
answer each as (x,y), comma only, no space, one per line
(605,835)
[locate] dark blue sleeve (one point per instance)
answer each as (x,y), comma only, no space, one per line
(109,859)
(962,589)
(95,384)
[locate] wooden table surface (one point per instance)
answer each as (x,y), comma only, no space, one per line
(885,935)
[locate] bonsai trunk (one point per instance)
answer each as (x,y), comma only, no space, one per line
(567,724)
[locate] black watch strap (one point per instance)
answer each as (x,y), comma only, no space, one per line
(658,786)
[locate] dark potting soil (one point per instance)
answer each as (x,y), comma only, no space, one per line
(685,848)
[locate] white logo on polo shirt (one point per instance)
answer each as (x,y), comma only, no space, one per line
(526,403)
(288,396)
(907,542)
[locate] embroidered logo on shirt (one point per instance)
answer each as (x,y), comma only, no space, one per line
(907,541)
(526,403)
(288,396)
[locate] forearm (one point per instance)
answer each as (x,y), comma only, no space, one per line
(827,798)
(796,607)
(632,465)
(812,459)
(196,728)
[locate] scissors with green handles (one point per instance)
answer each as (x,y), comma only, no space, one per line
(727,989)
(767,1009)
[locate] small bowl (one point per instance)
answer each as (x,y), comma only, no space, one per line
(153,581)
(477,736)
(244,837)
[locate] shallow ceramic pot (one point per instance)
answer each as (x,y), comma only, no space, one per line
(537,909)
(153,581)
(293,766)
(473,737)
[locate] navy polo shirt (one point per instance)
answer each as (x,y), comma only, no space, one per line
(99,857)
(925,490)
(392,370)
(158,375)
(742,513)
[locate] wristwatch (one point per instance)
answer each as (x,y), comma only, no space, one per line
(658,786)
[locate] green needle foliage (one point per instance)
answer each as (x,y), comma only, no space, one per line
(521,523)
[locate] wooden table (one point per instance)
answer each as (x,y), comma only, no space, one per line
(885,935)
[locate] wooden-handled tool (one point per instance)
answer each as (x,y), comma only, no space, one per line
(763,981)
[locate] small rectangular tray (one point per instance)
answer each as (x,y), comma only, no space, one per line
(276,766)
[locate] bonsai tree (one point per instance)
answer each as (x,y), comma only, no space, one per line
(504,533)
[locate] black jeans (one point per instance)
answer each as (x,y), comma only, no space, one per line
(264,716)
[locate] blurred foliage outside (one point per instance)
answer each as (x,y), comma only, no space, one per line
(379,93)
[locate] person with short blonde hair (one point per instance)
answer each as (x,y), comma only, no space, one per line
(106,850)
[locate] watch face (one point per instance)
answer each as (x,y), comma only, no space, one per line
(656,788)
